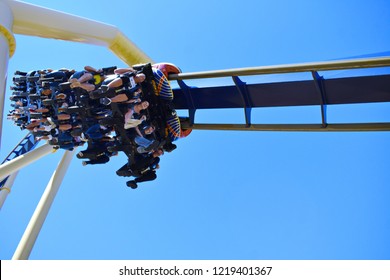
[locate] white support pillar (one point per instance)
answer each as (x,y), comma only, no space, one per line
(21,161)
(6,189)
(35,225)
(7,49)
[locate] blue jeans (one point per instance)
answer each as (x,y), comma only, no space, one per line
(94,132)
(142,141)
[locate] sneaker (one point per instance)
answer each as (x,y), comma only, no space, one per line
(94,94)
(141,150)
(132,184)
(152,146)
(124,173)
(80,155)
(169,147)
(14,98)
(104,88)
(112,149)
(64,86)
(84,163)
(34,96)
(105,101)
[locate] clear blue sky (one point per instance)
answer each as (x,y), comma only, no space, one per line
(219,195)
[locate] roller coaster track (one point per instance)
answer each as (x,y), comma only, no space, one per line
(318,91)
(27,144)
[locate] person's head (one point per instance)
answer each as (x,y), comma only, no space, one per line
(144,105)
(137,93)
(139,78)
(53,141)
(141,106)
(149,129)
(158,152)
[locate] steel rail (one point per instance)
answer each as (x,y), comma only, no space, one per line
(286,68)
(335,127)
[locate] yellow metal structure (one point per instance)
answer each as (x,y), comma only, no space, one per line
(38,21)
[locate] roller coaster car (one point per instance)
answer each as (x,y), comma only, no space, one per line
(167,68)
(155,89)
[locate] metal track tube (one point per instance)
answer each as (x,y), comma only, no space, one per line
(6,188)
(341,127)
(287,68)
(21,161)
(31,233)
